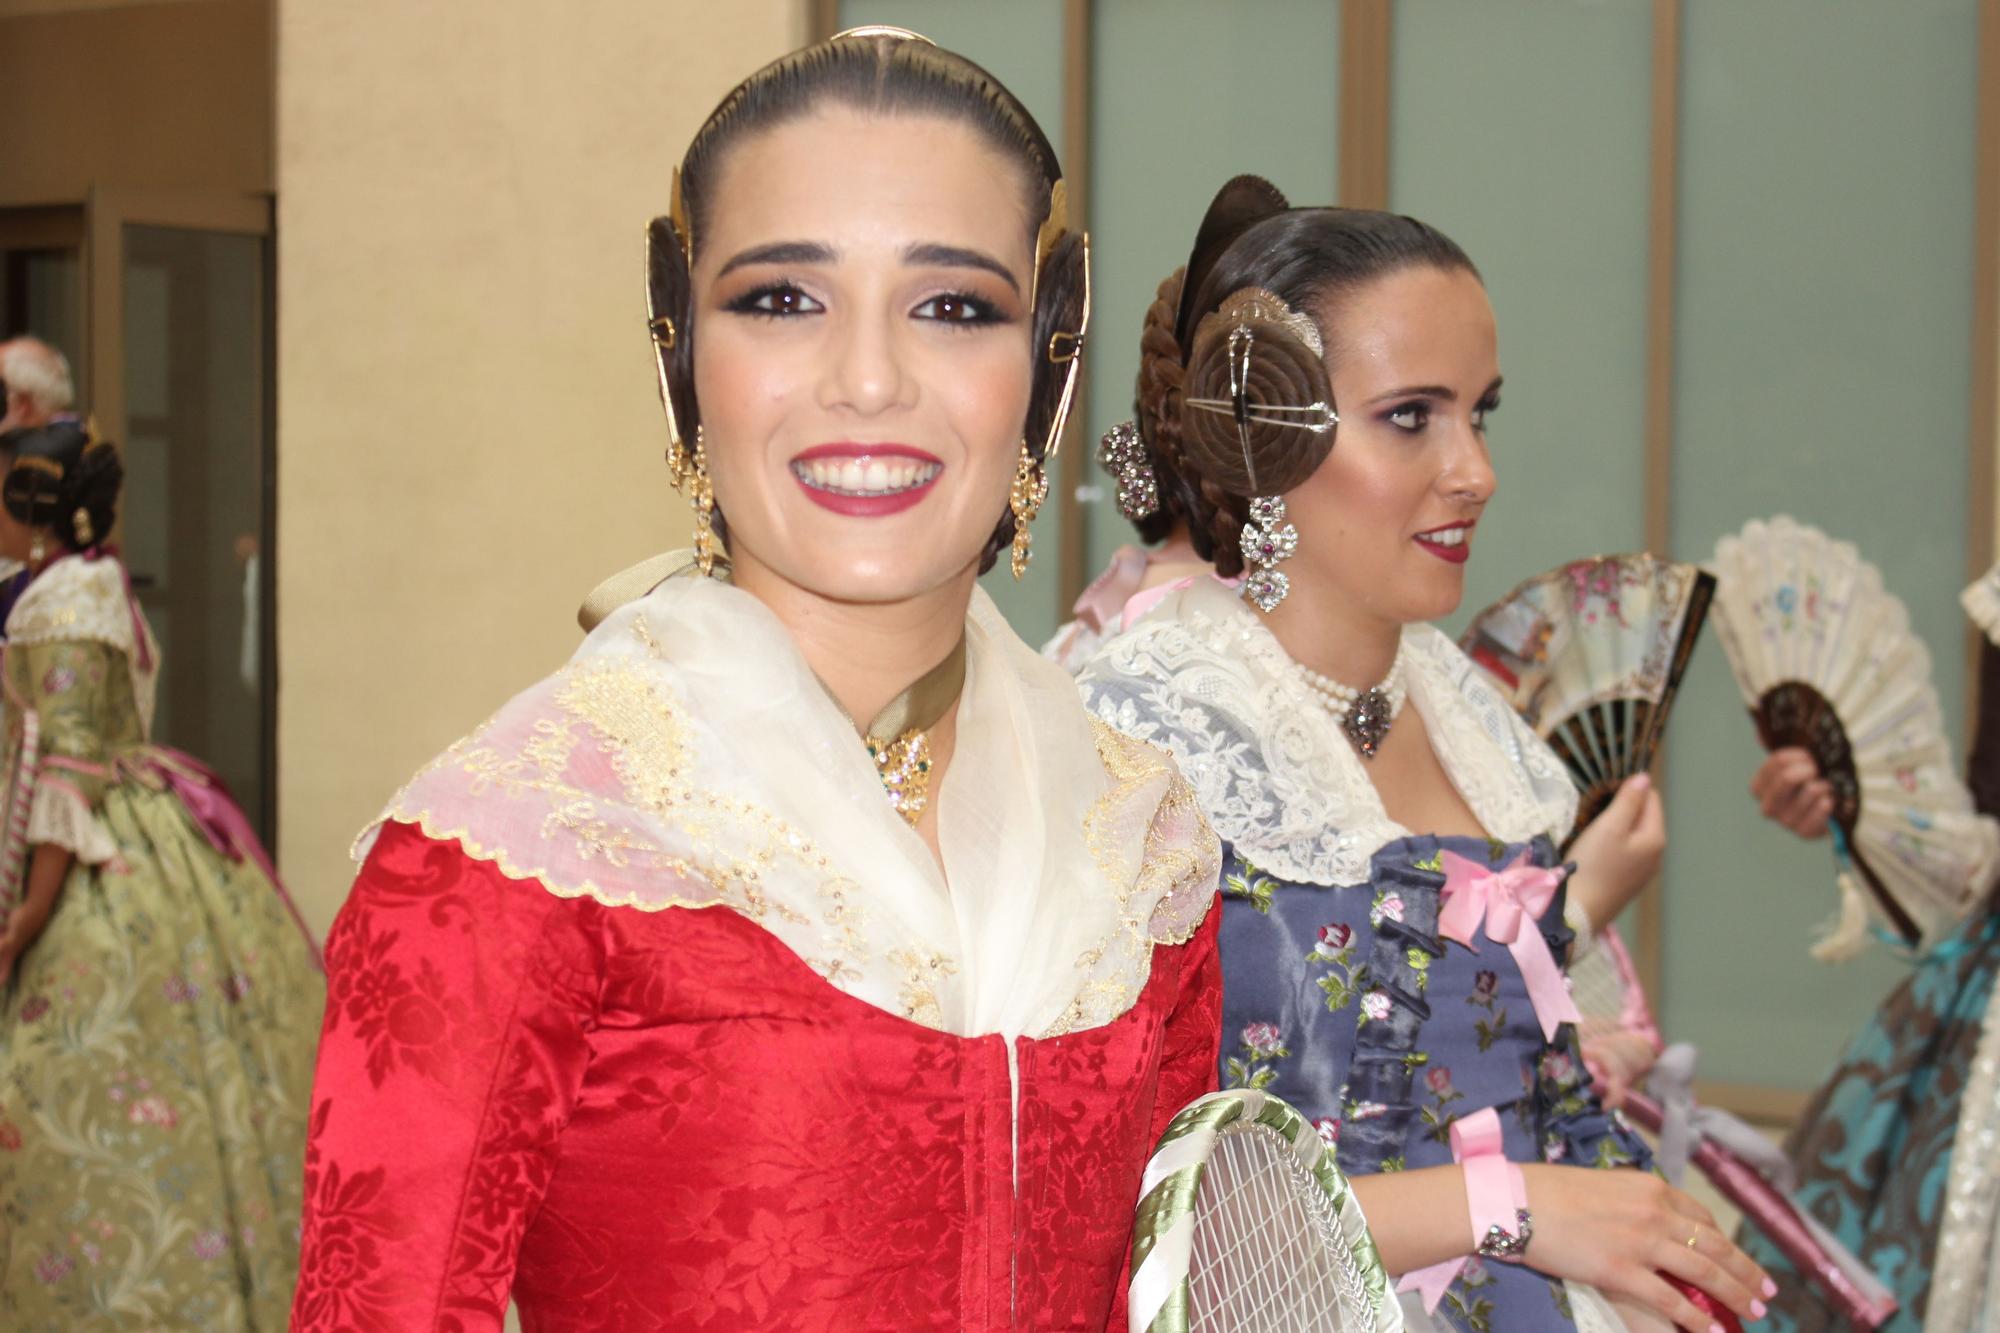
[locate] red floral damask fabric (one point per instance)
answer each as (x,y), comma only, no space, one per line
(638,1120)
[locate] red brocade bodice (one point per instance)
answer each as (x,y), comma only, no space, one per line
(666,1120)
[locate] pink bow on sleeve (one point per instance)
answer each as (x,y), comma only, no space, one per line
(1509,902)
(1493,1195)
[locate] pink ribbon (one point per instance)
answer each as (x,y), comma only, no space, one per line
(1107,594)
(1494,1195)
(220,821)
(1509,902)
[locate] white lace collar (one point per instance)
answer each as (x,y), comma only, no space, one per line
(76,598)
(687,757)
(1203,677)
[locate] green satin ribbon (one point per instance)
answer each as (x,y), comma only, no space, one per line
(924,704)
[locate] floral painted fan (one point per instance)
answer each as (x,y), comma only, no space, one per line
(1825,659)
(1591,653)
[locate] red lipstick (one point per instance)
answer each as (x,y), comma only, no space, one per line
(866,480)
(1451,543)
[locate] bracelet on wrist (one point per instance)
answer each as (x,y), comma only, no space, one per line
(1496,1194)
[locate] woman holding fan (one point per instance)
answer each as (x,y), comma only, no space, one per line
(1313,395)
(800,955)
(1897,1152)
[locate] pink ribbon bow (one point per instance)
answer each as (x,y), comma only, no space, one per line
(1493,1195)
(1509,902)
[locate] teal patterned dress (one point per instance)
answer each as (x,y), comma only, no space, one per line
(156,1039)
(1878,1149)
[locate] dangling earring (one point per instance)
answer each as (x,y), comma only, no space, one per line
(1024,500)
(702,496)
(1270,541)
(38,550)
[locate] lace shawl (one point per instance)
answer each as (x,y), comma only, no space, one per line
(1203,677)
(687,757)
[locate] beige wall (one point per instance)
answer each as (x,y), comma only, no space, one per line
(152,95)
(468,432)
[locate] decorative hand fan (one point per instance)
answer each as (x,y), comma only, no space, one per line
(1591,654)
(1246,1225)
(1981,601)
(1825,659)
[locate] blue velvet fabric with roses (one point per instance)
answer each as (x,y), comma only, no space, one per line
(1347,1003)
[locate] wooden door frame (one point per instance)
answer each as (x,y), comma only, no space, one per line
(108,211)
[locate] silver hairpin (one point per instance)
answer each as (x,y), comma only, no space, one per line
(1271,540)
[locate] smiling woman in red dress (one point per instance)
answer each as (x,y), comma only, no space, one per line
(675,997)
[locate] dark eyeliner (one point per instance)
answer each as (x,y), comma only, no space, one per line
(982,312)
(746,304)
(1420,406)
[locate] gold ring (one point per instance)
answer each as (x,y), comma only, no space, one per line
(1695,1237)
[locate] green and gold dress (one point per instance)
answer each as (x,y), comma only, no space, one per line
(156,1040)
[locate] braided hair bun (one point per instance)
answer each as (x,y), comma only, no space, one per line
(62,480)
(1235,395)
(1157,411)
(1257,413)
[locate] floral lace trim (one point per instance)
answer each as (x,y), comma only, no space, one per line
(83,599)
(1203,678)
(618,714)
(60,816)
(589,785)
(1177,872)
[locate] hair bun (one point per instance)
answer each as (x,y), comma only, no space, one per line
(1257,410)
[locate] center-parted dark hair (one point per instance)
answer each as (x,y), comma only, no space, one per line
(1310,258)
(888,75)
(56,472)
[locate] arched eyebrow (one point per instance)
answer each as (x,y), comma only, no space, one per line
(922,254)
(1442,393)
(780,252)
(958,256)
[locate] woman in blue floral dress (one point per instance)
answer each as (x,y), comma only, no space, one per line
(1313,394)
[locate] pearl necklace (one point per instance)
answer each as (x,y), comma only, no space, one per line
(1365,715)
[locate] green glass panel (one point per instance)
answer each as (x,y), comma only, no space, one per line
(1021,44)
(1822,370)
(1521,131)
(1186,94)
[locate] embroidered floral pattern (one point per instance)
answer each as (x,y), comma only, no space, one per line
(1243,880)
(156,1047)
(352,1232)
(1260,1046)
(1335,954)
(405,1019)
(1485,989)
(1436,1118)
(574,1140)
